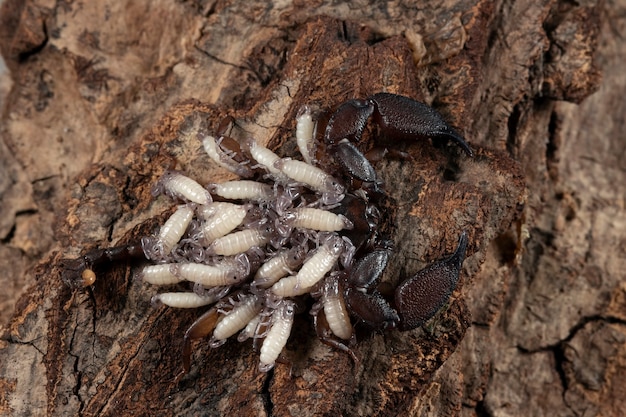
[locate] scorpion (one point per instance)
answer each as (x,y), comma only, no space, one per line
(290,230)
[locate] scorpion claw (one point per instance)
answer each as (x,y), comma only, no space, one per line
(401,117)
(348,121)
(398,118)
(422,295)
(372,309)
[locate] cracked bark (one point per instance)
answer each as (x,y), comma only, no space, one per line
(106,96)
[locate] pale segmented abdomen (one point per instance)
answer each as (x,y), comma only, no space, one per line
(265,157)
(277,336)
(182,299)
(335,310)
(207,275)
(238,242)
(308,174)
(223,221)
(236,319)
(159,274)
(317,219)
(305,127)
(179,186)
(282,264)
(243,190)
(312,271)
(174,228)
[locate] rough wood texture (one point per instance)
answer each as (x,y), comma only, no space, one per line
(106,95)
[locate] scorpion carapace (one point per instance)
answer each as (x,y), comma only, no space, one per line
(257,248)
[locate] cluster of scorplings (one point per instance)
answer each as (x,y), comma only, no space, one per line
(258,249)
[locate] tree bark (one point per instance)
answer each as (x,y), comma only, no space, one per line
(105,96)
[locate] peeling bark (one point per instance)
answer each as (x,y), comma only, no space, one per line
(106,96)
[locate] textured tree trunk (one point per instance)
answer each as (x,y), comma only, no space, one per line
(105,96)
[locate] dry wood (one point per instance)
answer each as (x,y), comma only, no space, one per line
(107,95)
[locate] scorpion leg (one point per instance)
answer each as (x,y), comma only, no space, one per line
(200,328)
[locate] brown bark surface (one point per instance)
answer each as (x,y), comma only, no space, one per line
(104,96)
